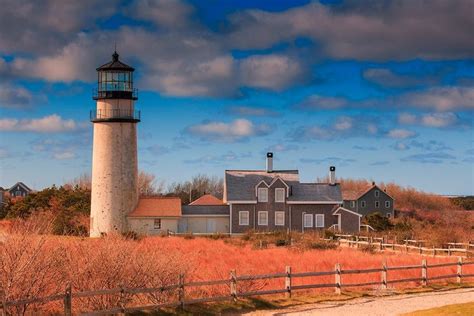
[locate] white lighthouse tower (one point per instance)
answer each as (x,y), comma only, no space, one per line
(114,156)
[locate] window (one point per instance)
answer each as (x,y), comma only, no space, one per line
(263,218)
(353,203)
(279,218)
(319,220)
(280,195)
(377,204)
(262,194)
(362,204)
(243,218)
(389,215)
(308,220)
(377,193)
(387,204)
(157,223)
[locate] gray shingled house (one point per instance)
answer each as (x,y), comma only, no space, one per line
(370,199)
(268,200)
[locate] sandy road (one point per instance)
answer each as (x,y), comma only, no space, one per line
(387,305)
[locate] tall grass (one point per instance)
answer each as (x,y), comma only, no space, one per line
(38,265)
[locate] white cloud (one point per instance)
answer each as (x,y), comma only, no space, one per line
(399,133)
(274,72)
(236,130)
(165,13)
(355,30)
(48,124)
(343,123)
(407,118)
(14,97)
(66,155)
(442,98)
(439,119)
(251,111)
(388,78)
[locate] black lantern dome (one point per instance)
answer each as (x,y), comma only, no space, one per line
(115,81)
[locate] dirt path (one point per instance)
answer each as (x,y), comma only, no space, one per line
(388,305)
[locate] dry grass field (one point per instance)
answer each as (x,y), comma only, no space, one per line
(38,265)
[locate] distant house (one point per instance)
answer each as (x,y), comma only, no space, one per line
(269,200)
(205,215)
(370,199)
(155,215)
(19,190)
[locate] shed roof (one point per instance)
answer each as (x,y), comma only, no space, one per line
(207,199)
(157,207)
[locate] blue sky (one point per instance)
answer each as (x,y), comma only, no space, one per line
(382,90)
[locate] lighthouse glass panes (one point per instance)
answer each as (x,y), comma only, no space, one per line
(115,81)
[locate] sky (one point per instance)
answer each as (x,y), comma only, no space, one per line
(383,90)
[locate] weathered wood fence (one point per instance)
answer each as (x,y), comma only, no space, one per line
(232,282)
(408,245)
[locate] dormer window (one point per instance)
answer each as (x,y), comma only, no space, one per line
(280,195)
(262,194)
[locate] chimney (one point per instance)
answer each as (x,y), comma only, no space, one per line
(332,175)
(269,162)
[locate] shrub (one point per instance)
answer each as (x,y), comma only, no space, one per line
(281,242)
(378,221)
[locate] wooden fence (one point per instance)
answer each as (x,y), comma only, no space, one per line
(232,282)
(382,243)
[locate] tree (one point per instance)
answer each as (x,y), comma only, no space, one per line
(147,184)
(378,221)
(199,185)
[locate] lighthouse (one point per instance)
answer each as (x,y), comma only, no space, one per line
(114,154)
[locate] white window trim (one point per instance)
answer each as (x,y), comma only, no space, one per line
(304,221)
(259,196)
(316,220)
(389,215)
(377,193)
(377,204)
(282,213)
(283,194)
(353,203)
(241,223)
(258,216)
(387,204)
(362,204)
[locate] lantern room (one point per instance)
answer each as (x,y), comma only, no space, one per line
(115,81)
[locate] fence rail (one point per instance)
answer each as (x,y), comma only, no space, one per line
(68,296)
(381,243)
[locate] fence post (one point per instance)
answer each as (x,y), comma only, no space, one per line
(338,278)
(384,275)
(233,284)
(424,273)
(434,251)
(420,249)
(449,250)
(357,241)
(288,281)
(381,244)
(459,270)
(68,300)
(181,291)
